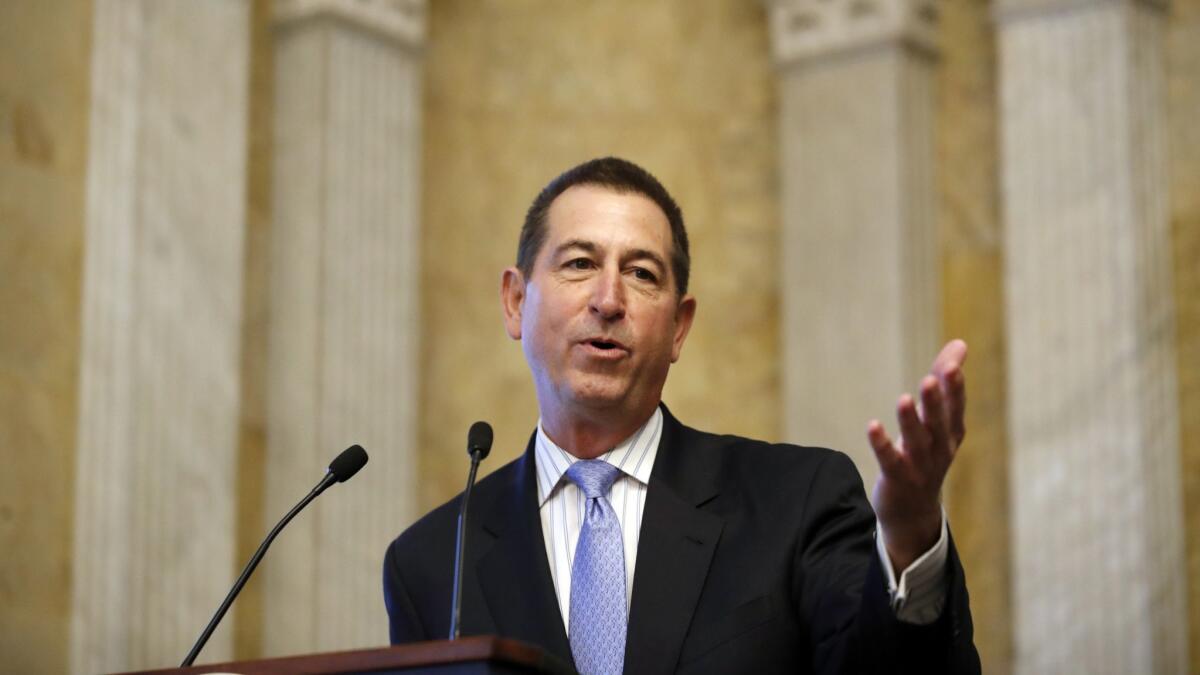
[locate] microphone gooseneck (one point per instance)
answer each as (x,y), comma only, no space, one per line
(479,444)
(340,470)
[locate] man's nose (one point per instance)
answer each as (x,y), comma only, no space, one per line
(608,296)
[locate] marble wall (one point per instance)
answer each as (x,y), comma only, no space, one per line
(972,299)
(517,92)
(247,613)
(1183,102)
(43,157)
(513,93)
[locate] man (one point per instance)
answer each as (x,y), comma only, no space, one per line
(624,540)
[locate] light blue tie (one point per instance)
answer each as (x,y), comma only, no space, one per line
(598,622)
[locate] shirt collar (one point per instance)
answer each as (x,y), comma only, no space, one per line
(634,456)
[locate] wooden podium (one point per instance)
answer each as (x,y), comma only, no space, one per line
(476,655)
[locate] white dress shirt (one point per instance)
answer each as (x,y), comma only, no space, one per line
(917,598)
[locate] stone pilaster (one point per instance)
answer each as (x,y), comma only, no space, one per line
(154,522)
(344,310)
(859,262)
(1098,560)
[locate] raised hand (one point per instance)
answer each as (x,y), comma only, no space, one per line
(906,495)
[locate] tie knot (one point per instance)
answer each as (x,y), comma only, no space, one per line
(593,476)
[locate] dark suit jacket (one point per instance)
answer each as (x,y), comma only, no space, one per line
(753,558)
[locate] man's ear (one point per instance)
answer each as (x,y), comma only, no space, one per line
(684,314)
(512,300)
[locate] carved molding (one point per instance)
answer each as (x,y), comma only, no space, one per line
(1011,10)
(399,21)
(803,29)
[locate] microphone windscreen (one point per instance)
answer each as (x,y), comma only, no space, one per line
(479,438)
(348,463)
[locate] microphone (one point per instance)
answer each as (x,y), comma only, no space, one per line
(340,470)
(479,444)
(479,440)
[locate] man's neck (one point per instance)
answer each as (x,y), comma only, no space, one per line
(591,436)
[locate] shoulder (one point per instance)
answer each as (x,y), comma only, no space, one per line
(757,458)
(432,535)
(418,566)
(753,475)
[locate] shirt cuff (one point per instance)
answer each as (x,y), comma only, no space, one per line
(920,595)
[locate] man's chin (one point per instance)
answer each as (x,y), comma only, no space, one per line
(600,395)
(598,400)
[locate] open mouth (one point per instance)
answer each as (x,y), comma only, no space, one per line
(605,349)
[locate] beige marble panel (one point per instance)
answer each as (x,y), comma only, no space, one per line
(343,324)
(518,91)
(1092,396)
(247,613)
(44,55)
(1183,104)
(43,117)
(157,439)
(976,491)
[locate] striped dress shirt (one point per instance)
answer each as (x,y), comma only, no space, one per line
(918,597)
(561,503)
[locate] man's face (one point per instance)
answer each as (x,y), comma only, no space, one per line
(599,317)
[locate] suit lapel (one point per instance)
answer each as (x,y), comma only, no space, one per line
(513,573)
(674,551)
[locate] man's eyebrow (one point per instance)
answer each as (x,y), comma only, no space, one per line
(582,244)
(591,247)
(645,254)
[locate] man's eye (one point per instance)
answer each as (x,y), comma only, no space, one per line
(580,264)
(644,274)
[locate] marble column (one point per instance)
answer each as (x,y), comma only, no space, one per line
(343,310)
(1099,585)
(860,297)
(157,435)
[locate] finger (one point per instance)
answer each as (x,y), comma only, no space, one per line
(934,418)
(952,357)
(885,451)
(955,392)
(948,368)
(913,434)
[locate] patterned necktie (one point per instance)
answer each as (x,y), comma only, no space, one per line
(598,622)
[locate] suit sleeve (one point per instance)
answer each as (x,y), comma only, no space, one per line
(404,624)
(842,592)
